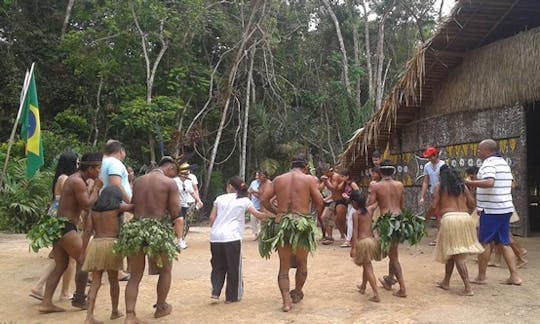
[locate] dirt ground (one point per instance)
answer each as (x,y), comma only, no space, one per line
(330,293)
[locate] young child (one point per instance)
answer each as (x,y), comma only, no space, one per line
(365,247)
(104,222)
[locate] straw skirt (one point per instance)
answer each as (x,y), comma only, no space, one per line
(99,255)
(457,235)
(366,250)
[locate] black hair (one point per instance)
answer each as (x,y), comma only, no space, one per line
(324,167)
(377,170)
(473,170)
(166,160)
(67,164)
(451,182)
(376,154)
(360,199)
(387,168)
(109,199)
(113,146)
(90,160)
(343,171)
(299,160)
(263,172)
(239,185)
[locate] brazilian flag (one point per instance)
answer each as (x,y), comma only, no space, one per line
(31,130)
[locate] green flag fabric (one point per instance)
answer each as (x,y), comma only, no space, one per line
(31,129)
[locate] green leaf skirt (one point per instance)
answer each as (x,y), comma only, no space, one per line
(406,226)
(295,230)
(47,230)
(149,236)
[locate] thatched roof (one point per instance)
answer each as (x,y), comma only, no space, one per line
(471,24)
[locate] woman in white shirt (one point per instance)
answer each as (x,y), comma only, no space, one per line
(227,221)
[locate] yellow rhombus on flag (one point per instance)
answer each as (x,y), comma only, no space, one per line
(31,130)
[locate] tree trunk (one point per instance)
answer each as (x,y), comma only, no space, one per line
(96,112)
(66,19)
(246,35)
(243,157)
(150,69)
(380,61)
(371,86)
(342,48)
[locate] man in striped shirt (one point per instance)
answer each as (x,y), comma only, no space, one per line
(494,203)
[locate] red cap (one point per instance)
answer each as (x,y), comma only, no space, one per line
(430,151)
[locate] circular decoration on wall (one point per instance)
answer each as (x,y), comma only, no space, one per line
(405,169)
(478,162)
(509,161)
(399,168)
(470,162)
(461,162)
(453,163)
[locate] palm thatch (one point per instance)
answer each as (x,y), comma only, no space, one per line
(472,24)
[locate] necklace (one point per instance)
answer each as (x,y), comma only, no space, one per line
(158,170)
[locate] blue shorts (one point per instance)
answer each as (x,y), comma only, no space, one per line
(494,228)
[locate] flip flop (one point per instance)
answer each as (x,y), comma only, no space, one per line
(35,295)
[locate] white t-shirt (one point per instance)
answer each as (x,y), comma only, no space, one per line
(230,219)
(193,178)
(432,171)
(185,191)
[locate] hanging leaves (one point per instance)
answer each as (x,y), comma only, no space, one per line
(296,231)
(407,226)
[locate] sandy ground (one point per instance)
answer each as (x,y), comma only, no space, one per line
(330,293)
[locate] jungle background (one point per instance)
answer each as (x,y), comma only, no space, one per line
(236,85)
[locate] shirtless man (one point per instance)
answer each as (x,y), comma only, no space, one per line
(74,199)
(388,194)
(155,195)
(294,190)
(333,182)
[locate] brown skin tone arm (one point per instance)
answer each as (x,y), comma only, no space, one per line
(84,199)
(266,197)
(173,202)
(87,233)
(372,195)
(257,213)
(425,184)
(316,196)
(355,233)
(471,203)
(115,180)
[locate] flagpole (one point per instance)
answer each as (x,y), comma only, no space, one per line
(11,138)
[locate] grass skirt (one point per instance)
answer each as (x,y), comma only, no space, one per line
(99,255)
(457,235)
(149,236)
(366,250)
(295,230)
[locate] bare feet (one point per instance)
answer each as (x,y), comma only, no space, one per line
(162,310)
(375,299)
(443,285)
(385,284)
(361,289)
(512,281)
(92,320)
(132,319)
(466,293)
(286,307)
(478,281)
(115,315)
(50,308)
(400,293)
(65,298)
(296,296)
(521,263)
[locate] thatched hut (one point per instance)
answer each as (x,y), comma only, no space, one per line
(478,77)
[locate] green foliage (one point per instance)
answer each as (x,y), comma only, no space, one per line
(47,230)
(296,231)
(407,226)
(147,235)
(23,201)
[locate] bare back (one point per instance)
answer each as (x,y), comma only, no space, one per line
(107,223)
(449,203)
(155,196)
(363,225)
(388,193)
(294,191)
